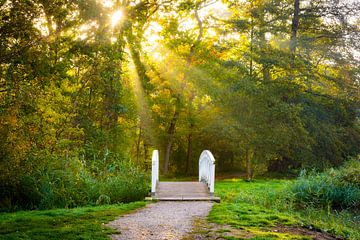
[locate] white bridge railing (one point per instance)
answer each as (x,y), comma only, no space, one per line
(207,170)
(154,171)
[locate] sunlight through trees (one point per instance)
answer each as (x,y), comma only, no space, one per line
(89,88)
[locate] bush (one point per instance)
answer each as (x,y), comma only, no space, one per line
(336,189)
(124,188)
(74,186)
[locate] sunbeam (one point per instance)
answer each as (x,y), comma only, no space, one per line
(116,17)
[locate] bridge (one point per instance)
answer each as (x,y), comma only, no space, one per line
(203,190)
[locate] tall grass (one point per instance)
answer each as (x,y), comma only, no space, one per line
(74,186)
(336,189)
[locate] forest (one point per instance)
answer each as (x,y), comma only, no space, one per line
(88,88)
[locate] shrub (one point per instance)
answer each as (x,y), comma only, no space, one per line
(336,189)
(73,185)
(124,188)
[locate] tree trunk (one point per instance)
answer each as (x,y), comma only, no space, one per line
(146,155)
(167,157)
(171,129)
(189,150)
(170,133)
(134,46)
(191,98)
(265,66)
(232,160)
(251,48)
(264,45)
(294,30)
(138,146)
(249,170)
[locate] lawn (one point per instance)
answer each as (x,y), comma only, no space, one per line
(76,223)
(263,209)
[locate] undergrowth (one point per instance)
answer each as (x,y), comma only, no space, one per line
(74,186)
(337,189)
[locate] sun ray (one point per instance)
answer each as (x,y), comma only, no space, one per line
(116,17)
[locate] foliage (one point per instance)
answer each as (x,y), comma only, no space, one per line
(77,223)
(66,107)
(229,76)
(74,186)
(334,188)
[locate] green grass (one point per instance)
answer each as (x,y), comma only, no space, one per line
(76,223)
(259,206)
(254,208)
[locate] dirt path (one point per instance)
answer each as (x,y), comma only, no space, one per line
(160,221)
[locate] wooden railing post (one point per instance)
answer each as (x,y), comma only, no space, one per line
(154,171)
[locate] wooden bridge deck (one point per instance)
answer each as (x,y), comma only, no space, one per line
(183,191)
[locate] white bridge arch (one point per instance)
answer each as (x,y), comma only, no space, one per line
(202,190)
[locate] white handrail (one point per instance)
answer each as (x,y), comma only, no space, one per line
(154,171)
(207,170)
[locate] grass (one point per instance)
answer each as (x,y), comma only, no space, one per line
(261,206)
(76,223)
(251,209)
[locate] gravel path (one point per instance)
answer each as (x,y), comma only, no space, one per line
(160,221)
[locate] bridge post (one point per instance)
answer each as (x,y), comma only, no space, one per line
(207,170)
(154,171)
(212,185)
